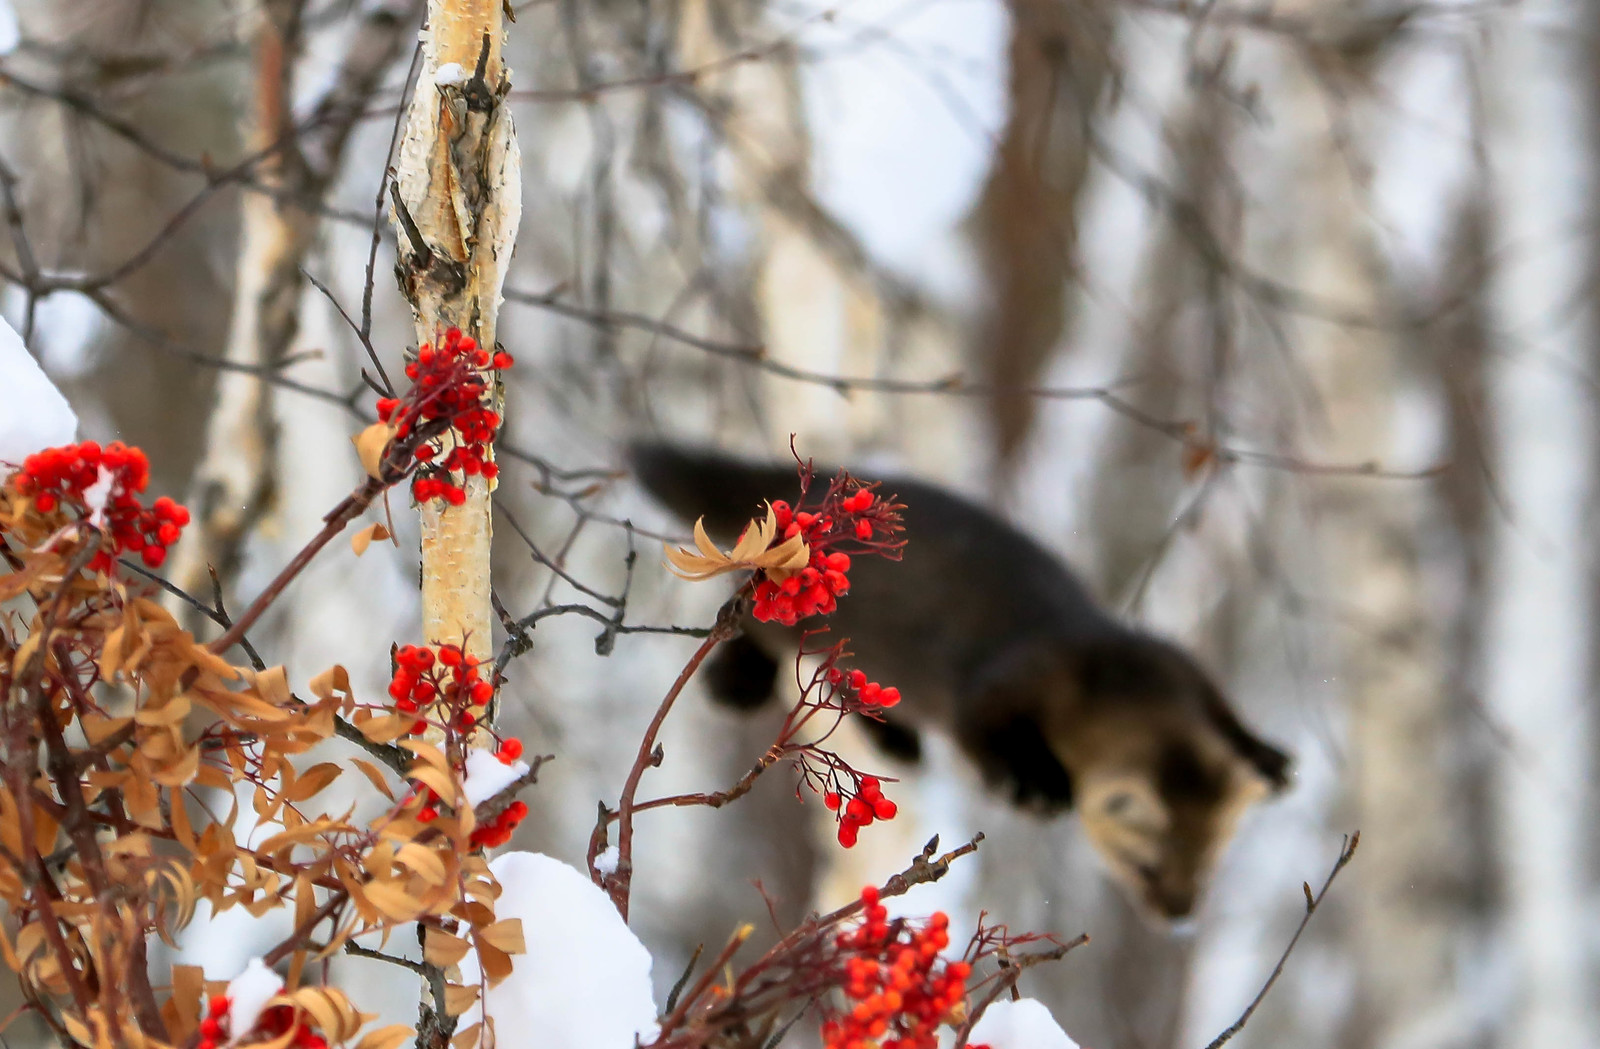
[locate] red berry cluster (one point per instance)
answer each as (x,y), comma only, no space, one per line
(498,830)
(859,811)
(275,1022)
(860,517)
(214,1027)
(448,384)
(901,989)
(854,690)
(500,827)
(280,1020)
(449,679)
(61,477)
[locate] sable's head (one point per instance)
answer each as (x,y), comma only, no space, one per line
(1161,769)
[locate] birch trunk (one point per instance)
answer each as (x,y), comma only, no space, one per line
(233,488)
(458,196)
(1390,658)
(1538,670)
(233,485)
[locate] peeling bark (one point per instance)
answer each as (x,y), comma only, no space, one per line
(458,199)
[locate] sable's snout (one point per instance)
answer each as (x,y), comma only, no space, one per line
(1174,904)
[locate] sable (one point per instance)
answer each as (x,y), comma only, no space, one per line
(991,638)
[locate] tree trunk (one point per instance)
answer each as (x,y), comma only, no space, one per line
(233,490)
(458,201)
(1538,682)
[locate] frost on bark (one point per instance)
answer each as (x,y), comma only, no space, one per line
(458,199)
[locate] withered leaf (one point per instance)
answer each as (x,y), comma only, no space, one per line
(367,536)
(496,963)
(370,444)
(273,685)
(181,772)
(444,949)
(188,985)
(312,781)
(390,1037)
(331,682)
(374,776)
(385,728)
(424,861)
(458,999)
(505,934)
(394,901)
(753,550)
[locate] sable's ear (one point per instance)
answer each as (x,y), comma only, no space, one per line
(1272,763)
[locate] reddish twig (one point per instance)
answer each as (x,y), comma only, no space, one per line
(617,883)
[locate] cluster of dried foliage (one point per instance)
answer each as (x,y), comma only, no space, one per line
(129,748)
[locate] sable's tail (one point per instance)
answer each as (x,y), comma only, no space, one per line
(695,482)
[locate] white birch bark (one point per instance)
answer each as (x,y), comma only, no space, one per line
(233,491)
(1538,672)
(459,187)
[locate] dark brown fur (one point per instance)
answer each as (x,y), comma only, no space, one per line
(990,637)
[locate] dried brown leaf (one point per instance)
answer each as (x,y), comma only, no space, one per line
(458,999)
(754,550)
(394,901)
(373,533)
(390,1037)
(370,444)
(505,934)
(272,684)
(312,781)
(424,861)
(444,949)
(383,729)
(335,681)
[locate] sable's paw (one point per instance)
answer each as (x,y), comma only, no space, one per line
(741,675)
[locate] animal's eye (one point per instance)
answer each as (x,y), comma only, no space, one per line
(1149,872)
(1119,804)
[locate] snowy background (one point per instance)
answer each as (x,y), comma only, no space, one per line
(1339,259)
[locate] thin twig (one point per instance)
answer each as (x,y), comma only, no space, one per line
(1346,851)
(619,882)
